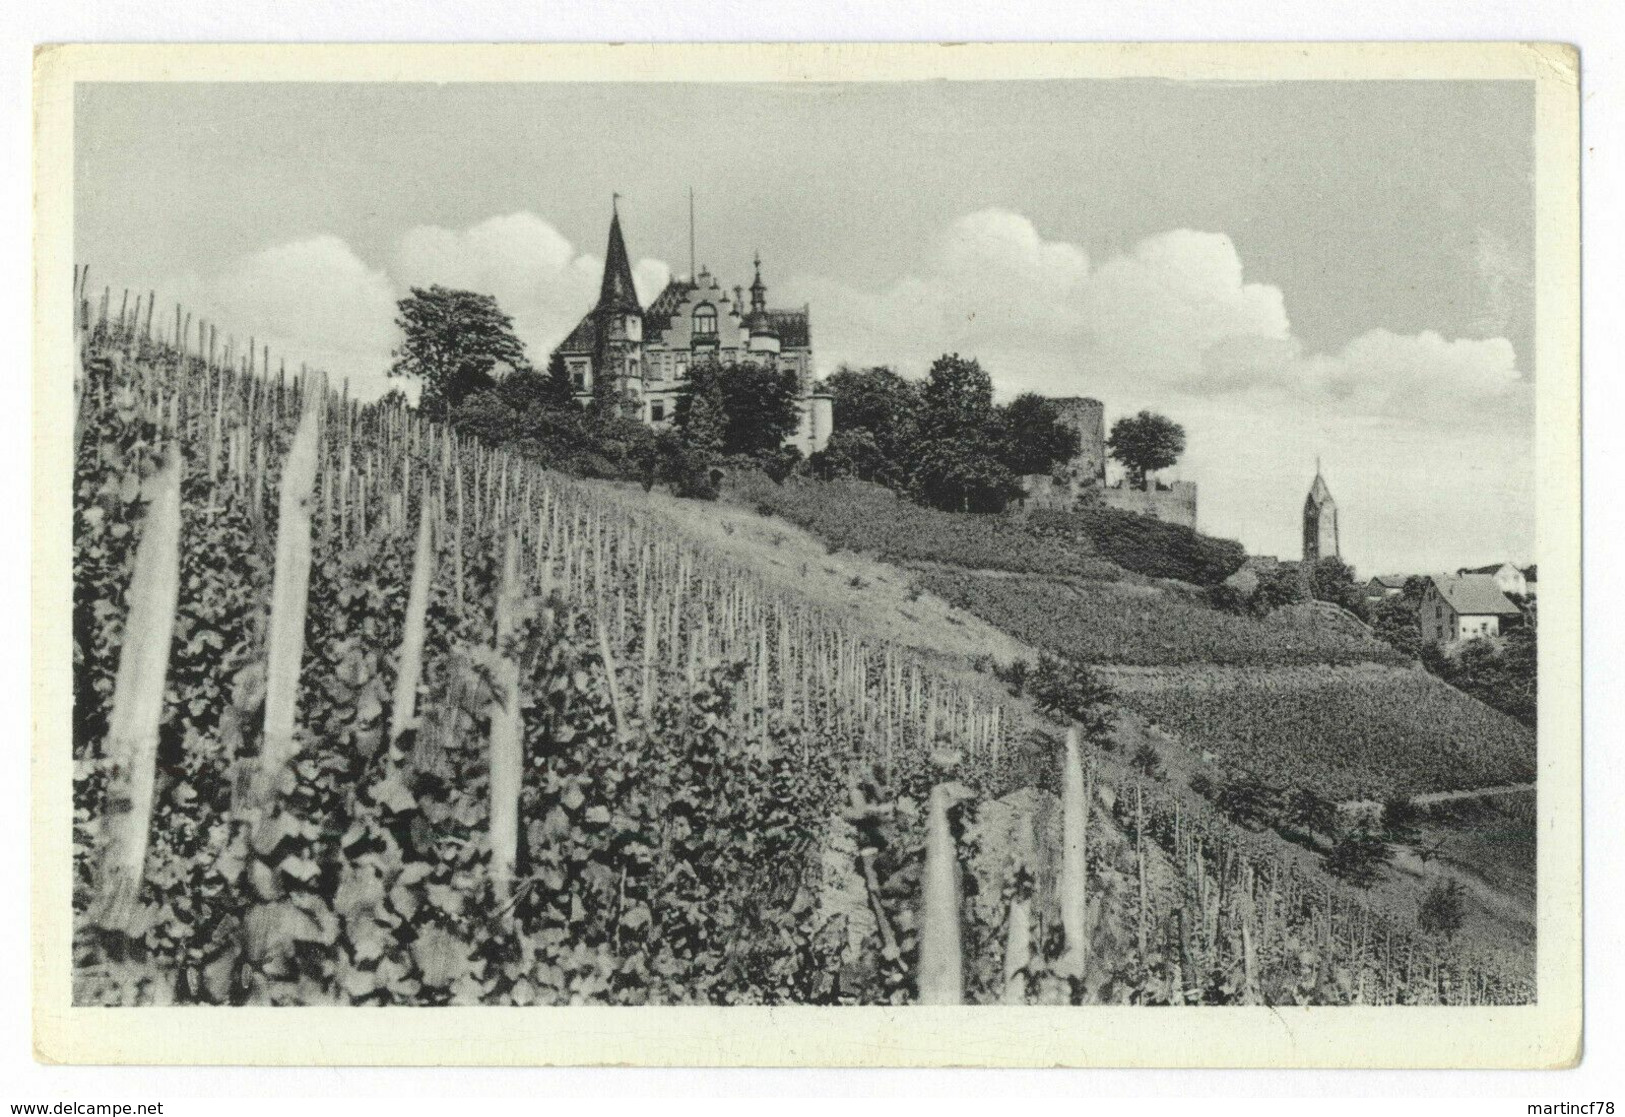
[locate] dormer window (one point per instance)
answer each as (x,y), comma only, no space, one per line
(705,320)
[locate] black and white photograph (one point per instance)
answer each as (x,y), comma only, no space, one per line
(1032,537)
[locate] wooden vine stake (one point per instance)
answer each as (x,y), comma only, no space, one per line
(1074,857)
(138,704)
(942,980)
(1018,951)
(412,635)
(507,740)
(290,592)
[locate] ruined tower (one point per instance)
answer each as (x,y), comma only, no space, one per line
(1319,522)
(1088,418)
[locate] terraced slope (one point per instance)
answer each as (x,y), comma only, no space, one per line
(1359,732)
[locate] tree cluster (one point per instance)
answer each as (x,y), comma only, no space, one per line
(941,440)
(1502,673)
(1329,579)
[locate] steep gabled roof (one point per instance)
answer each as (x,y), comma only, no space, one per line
(1493,568)
(792,326)
(657,319)
(584,338)
(1475,595)
(618,292)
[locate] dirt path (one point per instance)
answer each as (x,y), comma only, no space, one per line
(1433,797)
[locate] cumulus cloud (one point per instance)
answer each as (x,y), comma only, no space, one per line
(537,276)
(311,301)
(316,301)
(1422,434)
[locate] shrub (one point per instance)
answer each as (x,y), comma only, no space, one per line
(1282,585)
(1146,761)
(1250,802)
(1443,909)
(1068,690)
(1147,545)
(1013,676)
(1308,813)
(1227,599)
(1401,819)
(1358,859)
(860,516)
(1500,673)
(781,463)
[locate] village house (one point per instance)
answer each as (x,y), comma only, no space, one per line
(1386,585)
(1508,577)
(1463,608)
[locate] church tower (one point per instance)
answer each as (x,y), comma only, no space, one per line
(1319,522)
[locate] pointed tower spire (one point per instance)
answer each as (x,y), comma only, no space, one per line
(618,292)
(758,290)
(1320,537)
(691,270)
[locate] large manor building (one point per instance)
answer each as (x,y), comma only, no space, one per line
(649,351)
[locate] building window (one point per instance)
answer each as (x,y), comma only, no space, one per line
(705,320)
(682,367)
(578,375)
(657,411)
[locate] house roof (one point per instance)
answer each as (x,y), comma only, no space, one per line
(792,326)
(1392,581)
(657,319)
(1474,595)
(584,338)
(1493,568)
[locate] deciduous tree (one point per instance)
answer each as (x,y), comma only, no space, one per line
(959,466)
(1144,443)
(879,401)
(759,405)
(454,343)
(1035,439)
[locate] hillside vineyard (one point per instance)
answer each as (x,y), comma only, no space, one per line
(366,713)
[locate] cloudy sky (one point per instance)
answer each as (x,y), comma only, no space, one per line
(1291,270)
